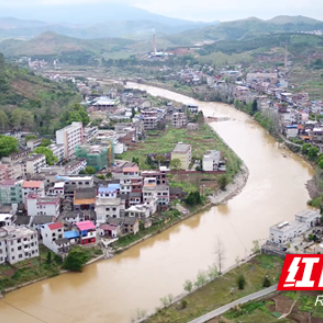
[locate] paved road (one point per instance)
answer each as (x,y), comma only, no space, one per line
(225,308)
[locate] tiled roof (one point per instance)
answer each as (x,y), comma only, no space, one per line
(55,226)
(85,225)
(131,169)
(31,184)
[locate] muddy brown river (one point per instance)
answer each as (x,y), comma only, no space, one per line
(112,290)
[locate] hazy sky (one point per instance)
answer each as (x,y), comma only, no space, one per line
(207,10)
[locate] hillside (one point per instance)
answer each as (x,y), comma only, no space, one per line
(32,101)
(51,44)
(246,29)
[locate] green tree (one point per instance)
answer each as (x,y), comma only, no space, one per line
(320,164)
(78,114)
(135,160)
(8,145)
(108,175)
(306,148)
(241,282)
(194,198)
(175,164)
(30,137)
(266,283)
(223,181)
(4,121)
(201,279)
(45,142)
(212,272)
(89,170)
(101,177)
(49,258)
(160,159)
(50,158)
(254,106)
(188,285)
(76,259)
(312,153)
(256,247)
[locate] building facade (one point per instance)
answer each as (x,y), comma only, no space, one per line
(70,136)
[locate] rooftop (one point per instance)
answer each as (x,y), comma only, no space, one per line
(181,148)
(85,193)
(108,201)
(131,169)
(34,157)
(32,184)
(42,219)
(85,225)
(15,233)
(22,220)
(55,226)
(308,214)
(71,234)
(60,242)
(4,217)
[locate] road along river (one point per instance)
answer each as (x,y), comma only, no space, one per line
(112,290)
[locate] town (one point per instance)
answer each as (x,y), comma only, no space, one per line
(76,190)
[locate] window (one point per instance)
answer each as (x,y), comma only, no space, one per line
(20,256)
(107,209)
(114,209)
(19,248)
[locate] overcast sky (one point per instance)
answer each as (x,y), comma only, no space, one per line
(206,10)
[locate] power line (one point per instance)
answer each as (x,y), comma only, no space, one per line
(40,320)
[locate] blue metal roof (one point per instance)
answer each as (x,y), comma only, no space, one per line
(292,126)
(104,189)
(71,234)
(115,186)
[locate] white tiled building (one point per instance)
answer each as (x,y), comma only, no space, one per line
(34,163)
(70,136)
(17,244)
(108,207)
(53,237)
(42,205)
(32,187)
(58,151)
(286,232)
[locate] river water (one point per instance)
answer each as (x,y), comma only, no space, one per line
(112,290)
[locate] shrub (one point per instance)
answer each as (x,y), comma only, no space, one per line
(241,282)
(267,282)
(76,259)
(188,286)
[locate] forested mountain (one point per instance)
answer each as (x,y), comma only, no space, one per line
(247,29)
(33,101)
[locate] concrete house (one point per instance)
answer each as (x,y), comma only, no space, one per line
(286,232)
(53,237)
(17,244)
(87,232)
(183,152)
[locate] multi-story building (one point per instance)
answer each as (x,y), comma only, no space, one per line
(34,163)
(42,205)
(130,180)
(152,190)
(33,144)
(70,136)
(150,119)
(53,238)
(87,232)
(97,156)
(17,244)
(183,152)
(11,192)
(84,199)
(106,207)
(32,187)
(193,108)
(285,232)
(90,133)
(212,161)
(58,151)
(179,120)
(16,167)
(160,176)
(6,172)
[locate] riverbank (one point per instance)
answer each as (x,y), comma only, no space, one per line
(38,267)
(219,291)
